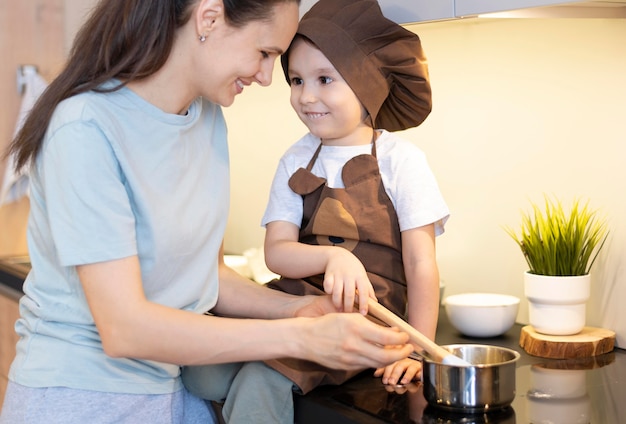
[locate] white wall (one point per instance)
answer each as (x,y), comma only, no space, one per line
(521,108)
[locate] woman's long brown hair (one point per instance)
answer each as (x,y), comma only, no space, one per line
(123,39)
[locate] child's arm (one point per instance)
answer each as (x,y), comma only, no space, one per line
(343,273)
(422,274)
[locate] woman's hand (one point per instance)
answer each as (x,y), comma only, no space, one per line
(350,341)
(401,372)
(314,306)
(345,278)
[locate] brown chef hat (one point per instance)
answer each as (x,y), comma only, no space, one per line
(381,61)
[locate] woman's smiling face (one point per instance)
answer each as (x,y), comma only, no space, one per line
(321,97)
(246,55)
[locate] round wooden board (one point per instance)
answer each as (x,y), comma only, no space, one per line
(589,342)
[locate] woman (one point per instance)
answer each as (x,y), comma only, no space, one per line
(129,200)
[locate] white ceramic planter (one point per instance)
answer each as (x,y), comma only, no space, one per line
(557,305)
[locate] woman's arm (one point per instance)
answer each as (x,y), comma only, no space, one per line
(240,297)
(131,326)
(344,274)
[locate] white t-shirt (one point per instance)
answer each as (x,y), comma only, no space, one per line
(118,177)
(408,180)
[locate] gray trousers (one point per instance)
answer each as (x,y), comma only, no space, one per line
(251,392)
(61,405)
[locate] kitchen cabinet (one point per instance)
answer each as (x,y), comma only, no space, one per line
(403,11)
(407,11)
(416,11)
(474,7)
(8,315)
(13,224)
(13,271)
(75,13)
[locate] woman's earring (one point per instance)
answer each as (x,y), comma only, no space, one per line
(202,38)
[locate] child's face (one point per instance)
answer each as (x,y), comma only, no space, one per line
(322,98)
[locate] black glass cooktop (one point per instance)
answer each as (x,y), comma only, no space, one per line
(588,390)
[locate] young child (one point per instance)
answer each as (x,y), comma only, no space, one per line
(354,209)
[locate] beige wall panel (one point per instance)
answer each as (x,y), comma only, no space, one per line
(31,32)
(8,339)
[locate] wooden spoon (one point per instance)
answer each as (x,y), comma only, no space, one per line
(435,351)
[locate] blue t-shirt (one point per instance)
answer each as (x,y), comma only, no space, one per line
(118,177)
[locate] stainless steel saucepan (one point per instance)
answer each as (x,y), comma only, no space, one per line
(486,385)
(470,378)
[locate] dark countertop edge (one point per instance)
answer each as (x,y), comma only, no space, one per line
(9,292)
(12,279)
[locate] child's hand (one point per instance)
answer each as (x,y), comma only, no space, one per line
(401,372)
(345,276)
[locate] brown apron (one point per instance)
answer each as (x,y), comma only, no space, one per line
(360,218)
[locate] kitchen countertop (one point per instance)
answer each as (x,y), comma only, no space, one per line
(13,271)
(587,390)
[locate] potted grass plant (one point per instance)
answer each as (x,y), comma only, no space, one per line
(560,248)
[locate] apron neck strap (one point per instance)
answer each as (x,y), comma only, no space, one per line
(319,148)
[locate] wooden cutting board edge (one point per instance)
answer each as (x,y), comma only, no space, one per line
(591,341)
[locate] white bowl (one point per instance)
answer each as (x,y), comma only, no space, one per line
(482,314)
(239,263)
